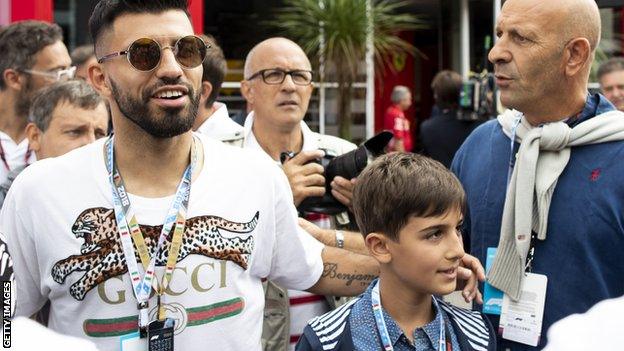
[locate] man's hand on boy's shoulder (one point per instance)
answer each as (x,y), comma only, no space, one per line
(469,274)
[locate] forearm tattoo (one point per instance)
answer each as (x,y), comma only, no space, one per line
(330,270)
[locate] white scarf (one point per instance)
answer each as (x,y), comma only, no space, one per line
(543,155)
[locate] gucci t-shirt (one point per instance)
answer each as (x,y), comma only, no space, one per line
(241,227)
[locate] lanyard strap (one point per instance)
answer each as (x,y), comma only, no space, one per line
(512,156)
(383,329)
(129,230)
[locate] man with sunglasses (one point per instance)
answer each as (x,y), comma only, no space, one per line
(112,233)
(33,56)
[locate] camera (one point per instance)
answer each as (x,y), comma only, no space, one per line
(477,99)
(348,166)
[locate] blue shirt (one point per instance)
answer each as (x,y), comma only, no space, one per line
(582,255)
(366,337)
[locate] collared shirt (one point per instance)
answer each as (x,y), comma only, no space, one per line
(595,104)
(310,142)
(366,337)
(220,126)
(14,154)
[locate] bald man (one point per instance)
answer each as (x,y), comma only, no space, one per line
(278,83)
(567,149)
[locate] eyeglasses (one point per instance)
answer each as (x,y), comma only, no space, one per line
(56,75)
(144,54)
(277,76)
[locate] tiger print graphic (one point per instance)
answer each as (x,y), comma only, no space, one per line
(101,255)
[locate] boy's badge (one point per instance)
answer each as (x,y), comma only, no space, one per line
(521,321)
(492,297)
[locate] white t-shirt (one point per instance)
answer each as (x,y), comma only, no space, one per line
(28,335)
(15,155)
(241,227)
(600,328)
(220,126)
(303,305)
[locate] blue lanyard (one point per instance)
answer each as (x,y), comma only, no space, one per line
(383,329)
(128,227)
(512,156)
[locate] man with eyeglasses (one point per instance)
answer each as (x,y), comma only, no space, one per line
(157,236)
(32,56)
(278,83)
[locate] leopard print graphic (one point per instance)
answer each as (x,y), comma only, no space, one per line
(101,255)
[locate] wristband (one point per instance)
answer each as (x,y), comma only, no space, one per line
(339,239)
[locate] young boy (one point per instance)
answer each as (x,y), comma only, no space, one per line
(409,209)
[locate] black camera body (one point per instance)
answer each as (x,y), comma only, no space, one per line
(348,166)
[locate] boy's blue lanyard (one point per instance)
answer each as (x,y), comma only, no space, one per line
(383,330)
(126,224)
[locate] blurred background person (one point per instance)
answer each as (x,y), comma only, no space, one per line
(63,117)
(242,114)
(33,56)
(611,79)
(213,119)
(395,120)
(83,57)
(441,135)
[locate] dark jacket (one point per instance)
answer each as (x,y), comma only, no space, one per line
(441,136)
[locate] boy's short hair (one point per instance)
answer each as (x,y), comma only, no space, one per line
(398,186)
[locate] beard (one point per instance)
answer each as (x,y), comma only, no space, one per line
(166,123)
(22,104)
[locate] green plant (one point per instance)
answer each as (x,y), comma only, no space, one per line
(344,26)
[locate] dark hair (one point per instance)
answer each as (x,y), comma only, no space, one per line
(611,65)
(446,87)
(401,185)
(215,68)
(82,54)
(76,92)
(21,41)
(107,11)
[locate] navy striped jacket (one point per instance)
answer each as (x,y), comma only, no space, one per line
(332,332)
